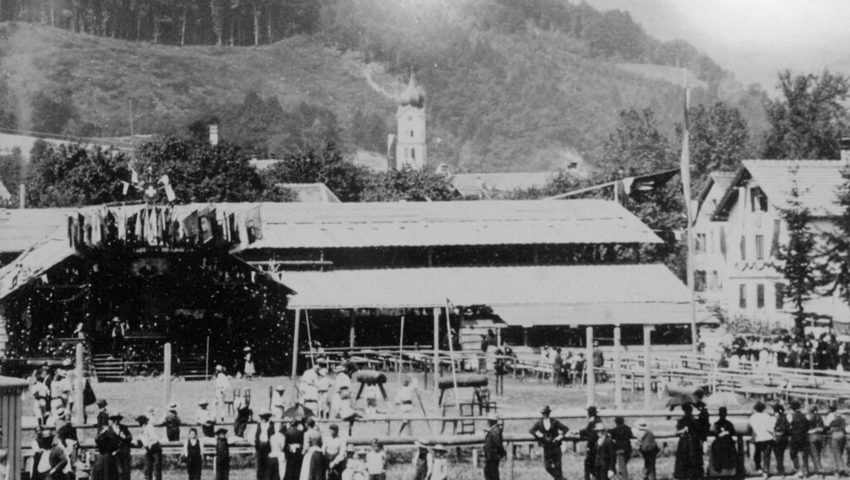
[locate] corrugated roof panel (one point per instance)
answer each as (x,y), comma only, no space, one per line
(494,286)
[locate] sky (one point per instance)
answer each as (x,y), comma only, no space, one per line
(752,38)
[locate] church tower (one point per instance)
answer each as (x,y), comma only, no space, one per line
(410,116)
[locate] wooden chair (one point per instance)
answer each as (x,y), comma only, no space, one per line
(228,402)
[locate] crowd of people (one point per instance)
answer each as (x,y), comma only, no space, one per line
(781,349)
(808,437)
(568,367)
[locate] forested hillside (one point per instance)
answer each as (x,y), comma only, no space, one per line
(511,84)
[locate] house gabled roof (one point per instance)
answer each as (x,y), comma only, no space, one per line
(716,181)
(817,181)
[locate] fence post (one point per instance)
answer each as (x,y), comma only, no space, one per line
(79,387)
(618,370)
(166,371)
(588,367)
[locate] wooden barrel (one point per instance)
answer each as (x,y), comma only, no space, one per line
(370,377)
(463,380)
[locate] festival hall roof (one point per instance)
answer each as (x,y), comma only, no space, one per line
(399,224)
(419,224)
(817,182)
(538,295)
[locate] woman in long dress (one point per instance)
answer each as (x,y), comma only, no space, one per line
(688,464)
(105,467)
(724,455)
(278,449)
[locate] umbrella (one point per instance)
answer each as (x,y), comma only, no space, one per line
(680,399)
(298,412)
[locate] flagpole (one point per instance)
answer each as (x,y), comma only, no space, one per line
(689,234)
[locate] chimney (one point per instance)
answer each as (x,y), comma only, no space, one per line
(22,196)
(844,146)
(213,134)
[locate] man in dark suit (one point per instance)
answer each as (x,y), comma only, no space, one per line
(494,450)
(102,415)
(588,434)
(606,456)
(262,447)
(799,438)
(622,437)
(549,433)
(121,437)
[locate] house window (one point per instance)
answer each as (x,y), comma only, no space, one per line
(699,281)
(759,247)
(572,165)
(723,241)
(411,134)
(760,295)
(743,247)
(715,281)
(779,292)
(742,296)
(758,200)
(413,153)
(699,243)
(711,242)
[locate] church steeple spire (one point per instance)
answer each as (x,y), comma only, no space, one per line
(412,95)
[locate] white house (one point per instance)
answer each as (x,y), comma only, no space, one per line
(738,232)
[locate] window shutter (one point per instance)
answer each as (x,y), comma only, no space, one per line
(723,241)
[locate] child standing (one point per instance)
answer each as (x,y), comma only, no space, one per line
(440,468)
(355,467)
(376,461)
(648,448)
(222,455)
(193,455)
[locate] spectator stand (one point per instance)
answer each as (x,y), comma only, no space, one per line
(11,414)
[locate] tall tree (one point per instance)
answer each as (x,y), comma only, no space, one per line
(325,165)
(636,146)
(809,117)
(409,185)
(797,257)
(718,139)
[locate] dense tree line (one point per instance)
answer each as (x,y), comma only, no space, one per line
(179,22)
(73,175)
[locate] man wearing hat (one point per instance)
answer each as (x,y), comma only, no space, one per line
(440,467)
(102,414)
(549,433)
(49,462)
(120,436)
(309,393)
(494,450)
(588,434)
(153,449)
(799,438)
(172,423)
(648,448)
(205,419)
(222,455)
(244,414)
(266,466)
(249,369)
(424,460)
(622,437)
(605,453)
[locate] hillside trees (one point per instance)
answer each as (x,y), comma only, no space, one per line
(719,140)
(71,175)
(408,184)
(323,164)
(809,117)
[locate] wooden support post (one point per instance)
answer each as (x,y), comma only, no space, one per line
(436,359)
(647,367)
(166,371)
(351,334)
(295,333)
(588,367)
(79,387)
(618,370)
(511,455)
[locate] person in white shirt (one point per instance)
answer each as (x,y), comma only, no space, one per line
(334,450)
(323,386)
(355,467)
(222,385)
(404,400)
(376,461)
(313,464)
(371,393)
(761,428)
(309,395)
(153,450)
(440,468)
